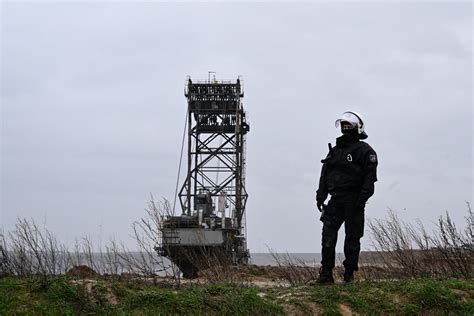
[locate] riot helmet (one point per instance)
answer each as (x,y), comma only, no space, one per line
(351,121)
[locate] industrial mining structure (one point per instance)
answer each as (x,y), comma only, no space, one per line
(211,228)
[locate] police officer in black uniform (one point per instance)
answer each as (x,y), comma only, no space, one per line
(348,174)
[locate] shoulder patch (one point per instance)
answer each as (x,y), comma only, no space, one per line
(373,158)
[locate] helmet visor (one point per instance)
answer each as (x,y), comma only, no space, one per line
(348,117)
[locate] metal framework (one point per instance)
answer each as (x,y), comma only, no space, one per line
(217,129)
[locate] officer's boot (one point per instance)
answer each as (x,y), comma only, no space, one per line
(325,276)
(348,276)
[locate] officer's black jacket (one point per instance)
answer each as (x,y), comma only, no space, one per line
(351,166)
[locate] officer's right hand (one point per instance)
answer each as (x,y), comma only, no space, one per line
(320,206)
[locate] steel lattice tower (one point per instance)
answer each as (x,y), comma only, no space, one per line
(211,227)
(216,147)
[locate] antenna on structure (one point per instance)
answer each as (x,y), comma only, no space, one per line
(209,76)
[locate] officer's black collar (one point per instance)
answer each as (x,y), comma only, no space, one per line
(347,139)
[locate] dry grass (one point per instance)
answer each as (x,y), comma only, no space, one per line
(407,250)
(402,250)
(31,249)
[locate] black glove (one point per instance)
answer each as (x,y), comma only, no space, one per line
(323,209)
(321,206)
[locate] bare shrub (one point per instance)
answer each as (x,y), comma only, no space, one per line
(144,261)
(113,263)
(4,267)
(407,250)
(214,265)
(295,271)
(31,249)
(454,247)
(89,255)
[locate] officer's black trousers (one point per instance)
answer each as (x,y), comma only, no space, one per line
(342,209)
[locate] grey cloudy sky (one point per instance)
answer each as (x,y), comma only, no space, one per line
(93,107)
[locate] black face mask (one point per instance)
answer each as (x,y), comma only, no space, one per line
(349,131)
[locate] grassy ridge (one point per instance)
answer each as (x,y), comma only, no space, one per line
(413,297)
(66,297)
(61,296)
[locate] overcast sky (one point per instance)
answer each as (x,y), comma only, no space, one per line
(93,107)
